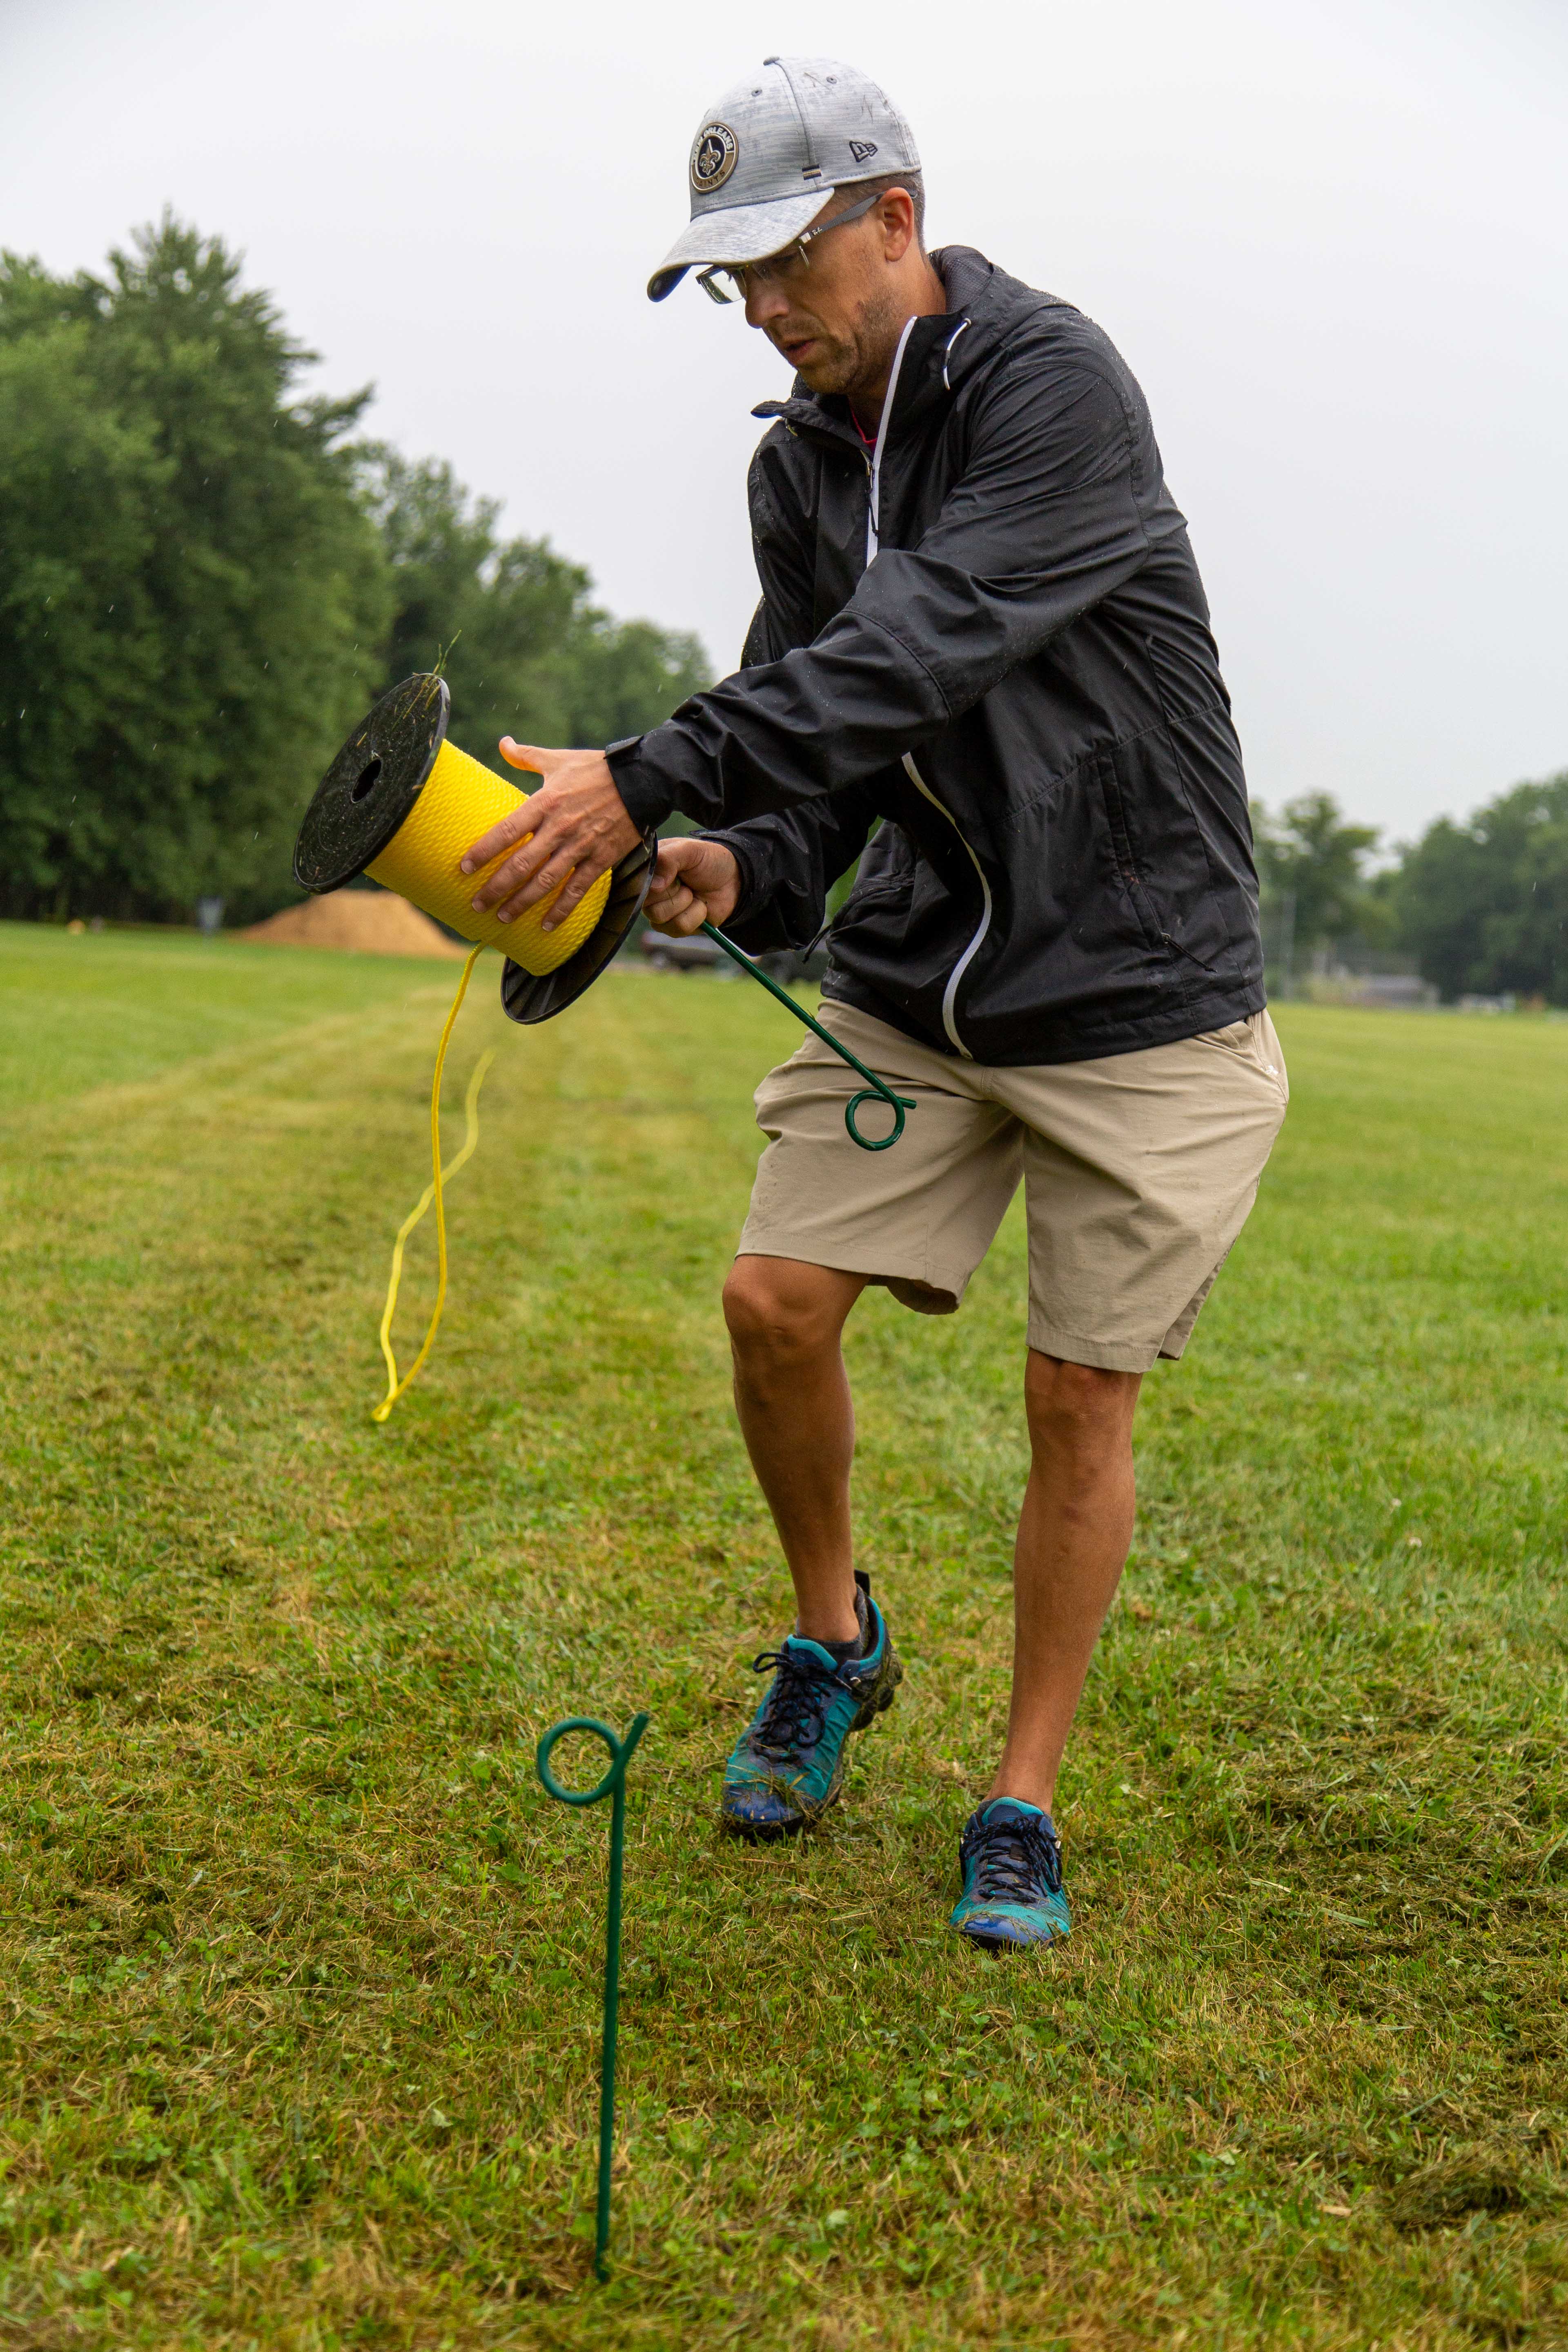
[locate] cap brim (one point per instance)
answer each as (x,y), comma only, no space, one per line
(739,233)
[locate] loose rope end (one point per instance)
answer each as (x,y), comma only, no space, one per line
(435,1190)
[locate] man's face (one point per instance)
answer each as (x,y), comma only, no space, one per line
(834,311)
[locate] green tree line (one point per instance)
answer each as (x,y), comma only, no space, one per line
(1478,905)
(205,576)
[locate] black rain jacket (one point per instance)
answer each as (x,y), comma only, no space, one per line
(993,638)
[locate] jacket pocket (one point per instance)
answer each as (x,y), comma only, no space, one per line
(1121,851)
(1169,854)
(885,874)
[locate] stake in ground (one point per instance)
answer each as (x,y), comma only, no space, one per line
(303,1967)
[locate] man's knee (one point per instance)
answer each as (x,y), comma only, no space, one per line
(1078,1408)
(780,1309)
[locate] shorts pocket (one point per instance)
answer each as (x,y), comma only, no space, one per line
(1250,1044)
(1238,1038)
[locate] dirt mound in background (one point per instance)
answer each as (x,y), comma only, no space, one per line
(372,922)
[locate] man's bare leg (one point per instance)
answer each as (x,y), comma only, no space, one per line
(1073,1537)
(791,1393)
(786,1319)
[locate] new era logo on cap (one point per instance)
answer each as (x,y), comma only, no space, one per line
(862,150)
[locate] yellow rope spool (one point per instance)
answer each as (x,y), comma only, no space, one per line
(403,804)
(460,801)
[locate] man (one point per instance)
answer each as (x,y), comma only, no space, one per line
(981,665)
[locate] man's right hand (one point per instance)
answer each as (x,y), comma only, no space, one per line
(694,882)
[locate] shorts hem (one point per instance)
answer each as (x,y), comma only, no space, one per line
(847,1260)
(1099,1355)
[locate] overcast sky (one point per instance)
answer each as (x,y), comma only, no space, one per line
(1331,237)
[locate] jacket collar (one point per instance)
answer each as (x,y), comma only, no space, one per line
(941,350)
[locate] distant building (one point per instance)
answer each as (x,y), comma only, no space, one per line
(1403,991)
(1389,991)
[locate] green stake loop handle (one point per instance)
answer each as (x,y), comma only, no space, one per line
(875,1089)
(612,1785)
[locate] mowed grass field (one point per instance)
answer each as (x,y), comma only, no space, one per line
(299,1967)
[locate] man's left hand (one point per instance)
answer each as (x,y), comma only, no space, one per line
(578,824)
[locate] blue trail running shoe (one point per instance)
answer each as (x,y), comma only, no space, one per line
(787,1766)
(1011,1858)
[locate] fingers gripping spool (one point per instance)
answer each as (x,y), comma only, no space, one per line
(531,997)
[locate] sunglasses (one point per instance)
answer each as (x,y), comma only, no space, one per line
(743,276)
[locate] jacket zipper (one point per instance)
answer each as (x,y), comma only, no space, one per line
(950,993)
(874,504)
(873,518)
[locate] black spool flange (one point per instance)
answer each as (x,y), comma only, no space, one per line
(529,996)
(372,783)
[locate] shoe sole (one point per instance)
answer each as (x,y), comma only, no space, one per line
(890,1674)
(769,1832)
(1012,1943)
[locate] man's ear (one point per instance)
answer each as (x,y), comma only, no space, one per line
(896,215)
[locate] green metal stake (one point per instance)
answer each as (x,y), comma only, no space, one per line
(614,1785)
(875,1088)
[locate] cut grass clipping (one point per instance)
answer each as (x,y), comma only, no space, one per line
(302,1968)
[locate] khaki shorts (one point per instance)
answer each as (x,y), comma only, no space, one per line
(1139,1170)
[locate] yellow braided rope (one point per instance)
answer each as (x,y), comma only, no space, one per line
(440,1177)
(423,861)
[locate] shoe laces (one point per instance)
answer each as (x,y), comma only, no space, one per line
(1016,1859)
(795,1713)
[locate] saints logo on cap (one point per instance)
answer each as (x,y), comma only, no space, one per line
(713,157)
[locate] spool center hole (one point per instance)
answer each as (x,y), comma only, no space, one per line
(369,777)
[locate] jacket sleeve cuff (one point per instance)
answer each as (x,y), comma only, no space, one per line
(751,887)
(647,800)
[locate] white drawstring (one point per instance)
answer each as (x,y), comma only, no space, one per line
(873,511)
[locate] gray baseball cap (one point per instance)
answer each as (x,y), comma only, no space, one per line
(768,156)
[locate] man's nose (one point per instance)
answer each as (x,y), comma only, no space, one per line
(765,303)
